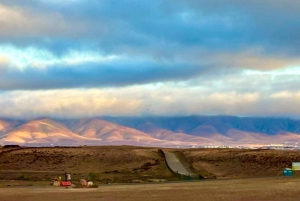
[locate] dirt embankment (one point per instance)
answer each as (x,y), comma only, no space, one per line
(125,163)
(105,164)
(235,163)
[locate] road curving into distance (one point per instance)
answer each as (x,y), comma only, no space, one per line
(177,167)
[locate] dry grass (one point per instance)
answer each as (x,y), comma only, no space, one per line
(122,164)
(110,164)
(236,163)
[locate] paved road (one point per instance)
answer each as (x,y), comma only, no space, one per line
(175,164)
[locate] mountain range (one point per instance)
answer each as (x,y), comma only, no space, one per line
(151,131)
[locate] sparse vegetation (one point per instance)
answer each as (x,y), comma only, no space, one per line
(237,163)
(93,176)
(22,177)
(124,164)
(100,164)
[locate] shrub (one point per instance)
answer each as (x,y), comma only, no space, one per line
(22,177)
(92,176)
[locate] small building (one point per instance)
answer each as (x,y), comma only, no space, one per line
(288,172)
(296,165)
(11,146)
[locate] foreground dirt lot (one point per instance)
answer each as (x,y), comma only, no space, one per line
(270,189)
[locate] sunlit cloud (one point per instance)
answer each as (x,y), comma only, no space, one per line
(162,99)
(3,60)
(37,58)
(87,58)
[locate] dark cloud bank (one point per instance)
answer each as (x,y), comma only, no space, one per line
(161,32)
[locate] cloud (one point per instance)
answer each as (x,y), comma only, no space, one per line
(111,26)
(231,57)
(143,26)
(255,60)
(32,68)
(23,21)
(3,60)
(93,74)
(160,99)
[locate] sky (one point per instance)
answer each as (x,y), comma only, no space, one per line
(84,58)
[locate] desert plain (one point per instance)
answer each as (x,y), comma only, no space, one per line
(129,173)
(271,189)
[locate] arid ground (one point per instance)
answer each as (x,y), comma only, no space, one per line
(271,189)
(130,173)
(122,164)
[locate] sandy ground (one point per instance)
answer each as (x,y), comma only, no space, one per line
(271,189)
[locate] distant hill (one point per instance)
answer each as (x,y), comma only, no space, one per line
(151,131)
(230,130)
(203,125)
(106,131)
(7,125)
(43,131)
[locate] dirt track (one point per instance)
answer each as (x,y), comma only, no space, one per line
(275,189)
